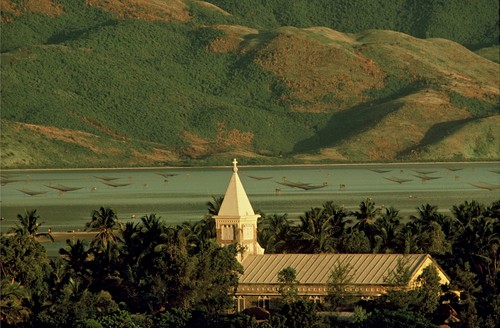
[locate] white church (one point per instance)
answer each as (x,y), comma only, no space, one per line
(236,222)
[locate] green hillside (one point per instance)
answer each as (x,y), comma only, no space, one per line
(129,83)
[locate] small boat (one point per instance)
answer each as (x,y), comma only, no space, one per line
(380,171)
(259,178)
(31,192)
(486,186)
(63,188)
(105,178)
(398,180)
(115,185)
(424,172)
(425,177)
(5,181)
(310,187)
(167,175)
(453,169)
(8,176)
(292,184)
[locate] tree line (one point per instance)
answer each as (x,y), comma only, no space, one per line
(144,273)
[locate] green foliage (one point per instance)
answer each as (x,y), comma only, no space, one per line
(90,76)
(175,318)
(466,22)
(25,265)
(88,70)
(428,291)
(395,319)
(338,282)
(179,277)
(287,278)
(28,225)
(423,298)
(359,315)
(354,242)
(298,314)
(14,303)
(477,107)
(34,29)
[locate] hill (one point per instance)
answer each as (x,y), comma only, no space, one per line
(131,83)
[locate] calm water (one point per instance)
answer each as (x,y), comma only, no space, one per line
(181,194)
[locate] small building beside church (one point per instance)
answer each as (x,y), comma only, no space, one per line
(236,222)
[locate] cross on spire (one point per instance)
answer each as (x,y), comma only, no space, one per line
(235,169)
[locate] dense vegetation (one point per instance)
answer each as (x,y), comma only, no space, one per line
(143,274)
(471,24)
(198,89)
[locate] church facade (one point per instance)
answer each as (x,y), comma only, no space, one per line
(236,222)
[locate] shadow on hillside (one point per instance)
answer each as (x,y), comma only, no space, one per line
(435,134)
(76,34)
(346,124)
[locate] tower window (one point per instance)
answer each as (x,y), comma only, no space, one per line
(263,302)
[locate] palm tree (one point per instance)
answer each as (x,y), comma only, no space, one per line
(366,217)
(388,227)
(338,217)
(14,309)
(316,232)
(76,255)
(205,229)
(273,232)
(214,205)
(28,225)
(105,222)
(428,226)
(479,240)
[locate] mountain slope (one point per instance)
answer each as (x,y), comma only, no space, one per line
(147,82)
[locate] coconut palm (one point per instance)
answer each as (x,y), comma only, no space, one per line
(28,225)
(316,231)
(214,205)
(273,232)
(338,217)
(14,303)
(76,255)
(366,217)
(388,227)
(427,225)
(105,222)
(479,239)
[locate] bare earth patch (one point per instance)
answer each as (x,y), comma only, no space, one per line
(153,10)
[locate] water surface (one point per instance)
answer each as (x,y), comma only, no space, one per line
(181,194)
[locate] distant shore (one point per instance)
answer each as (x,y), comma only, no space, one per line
(241,164)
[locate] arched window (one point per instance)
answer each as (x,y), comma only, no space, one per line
(263,302)
(315,299)
(239,303)
(228,232)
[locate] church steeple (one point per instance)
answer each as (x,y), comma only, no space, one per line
(236,221)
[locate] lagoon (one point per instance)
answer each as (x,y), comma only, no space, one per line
(181,194)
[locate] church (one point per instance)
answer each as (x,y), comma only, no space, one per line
(236,222)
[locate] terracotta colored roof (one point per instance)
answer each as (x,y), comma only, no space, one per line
(236,203)
(368,269)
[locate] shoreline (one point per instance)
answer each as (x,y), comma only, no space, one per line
(244,166)
(62,236)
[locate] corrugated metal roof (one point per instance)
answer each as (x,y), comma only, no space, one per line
(235,203)
(367,269)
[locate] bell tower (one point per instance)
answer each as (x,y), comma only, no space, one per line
(236,221)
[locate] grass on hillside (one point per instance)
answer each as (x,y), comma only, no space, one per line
(138,86)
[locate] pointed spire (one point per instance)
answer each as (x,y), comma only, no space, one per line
(236,203)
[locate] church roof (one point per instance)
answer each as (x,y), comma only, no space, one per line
(367,269)
(235,203)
